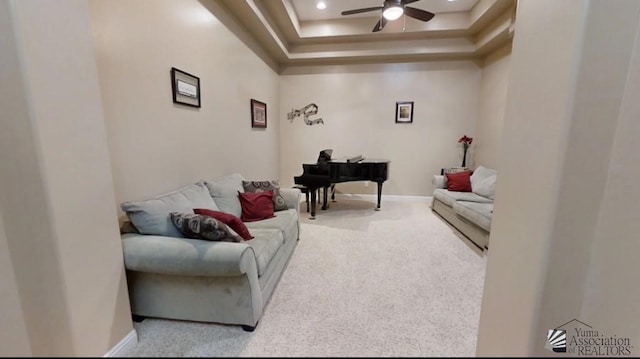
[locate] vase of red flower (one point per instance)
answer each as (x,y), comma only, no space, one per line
(466,142)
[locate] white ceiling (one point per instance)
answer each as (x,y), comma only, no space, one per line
(292,33)
(307,11)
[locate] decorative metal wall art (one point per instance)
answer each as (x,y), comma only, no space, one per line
(309,110)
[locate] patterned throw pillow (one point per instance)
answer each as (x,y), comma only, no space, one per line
(230,220)
(279,203)
(198,226)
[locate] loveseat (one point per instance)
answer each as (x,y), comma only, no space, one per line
(469,210)
(170,276)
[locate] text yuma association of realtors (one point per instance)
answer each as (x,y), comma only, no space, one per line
(590,342)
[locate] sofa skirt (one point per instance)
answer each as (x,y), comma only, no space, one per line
(478,236)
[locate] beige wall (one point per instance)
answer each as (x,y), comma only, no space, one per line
(55,183)
(611,296)
(156,145)
(32,251)
(358,104)
(557,208)
(15,341)
(13,125)
(493,96)
(534,142)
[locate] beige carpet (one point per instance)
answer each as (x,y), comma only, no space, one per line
(396,282)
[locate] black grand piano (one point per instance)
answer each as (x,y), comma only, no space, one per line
(326,172)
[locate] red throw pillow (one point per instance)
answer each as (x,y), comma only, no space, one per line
(460,181)
(229,219)
(256,206)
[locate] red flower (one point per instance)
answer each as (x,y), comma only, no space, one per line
(466,140)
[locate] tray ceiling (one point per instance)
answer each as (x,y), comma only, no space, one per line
(291,33)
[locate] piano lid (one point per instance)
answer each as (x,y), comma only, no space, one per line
(325,155)
(362,161)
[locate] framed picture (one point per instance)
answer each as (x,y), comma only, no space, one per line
(258,114)
(404,112)
(185,87)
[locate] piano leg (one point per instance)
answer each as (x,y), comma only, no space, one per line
(325,203)
(333,193)
(379,195)
(313,192)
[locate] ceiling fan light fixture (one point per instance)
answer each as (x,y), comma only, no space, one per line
(392,12)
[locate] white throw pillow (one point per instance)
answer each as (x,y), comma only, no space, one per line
(483,182)
(439,181)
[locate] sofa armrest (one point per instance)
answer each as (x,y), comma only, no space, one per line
(292,196)
(439,181)
(184,256)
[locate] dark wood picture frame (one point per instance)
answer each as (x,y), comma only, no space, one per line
(185,88)
(258,114)
(404,112)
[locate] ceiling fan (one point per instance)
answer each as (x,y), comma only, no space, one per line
(392,10)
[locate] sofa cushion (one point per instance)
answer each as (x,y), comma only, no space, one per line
(279,204)
(285,221)
(450,197)
(459,181)
(185,256)
(483,182)
(152,216)
(199,226)
(265,245)
(478,213)
(230,220)
(256,206)
(224,191)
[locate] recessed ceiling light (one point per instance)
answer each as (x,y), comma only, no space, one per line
(321,5)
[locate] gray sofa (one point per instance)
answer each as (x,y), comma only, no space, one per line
(469,212)
(173,277)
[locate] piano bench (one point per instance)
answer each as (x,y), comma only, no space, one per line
(304,189)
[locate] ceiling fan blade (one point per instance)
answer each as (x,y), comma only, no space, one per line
(407,2)
(380,24)
(418,14)
(357,11)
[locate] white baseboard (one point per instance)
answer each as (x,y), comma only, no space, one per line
(385,197)
(124,346)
